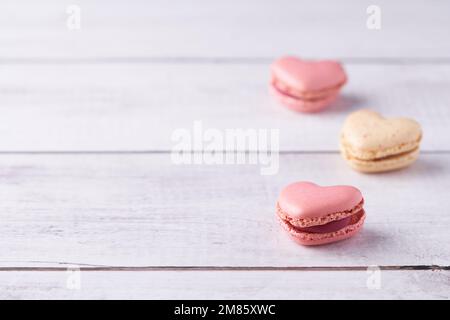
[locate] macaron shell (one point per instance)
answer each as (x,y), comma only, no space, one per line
(307,200)
(308,75)
(368,135)
(308,106)
(314,239)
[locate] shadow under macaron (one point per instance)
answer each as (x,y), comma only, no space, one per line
(346,102)
(426,164)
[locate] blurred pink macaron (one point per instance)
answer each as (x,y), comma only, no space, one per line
(306,86)
(315,215)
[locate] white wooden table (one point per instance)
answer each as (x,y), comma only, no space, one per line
(86,120)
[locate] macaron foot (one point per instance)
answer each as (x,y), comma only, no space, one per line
(347,229)
(386,164)
(303,105)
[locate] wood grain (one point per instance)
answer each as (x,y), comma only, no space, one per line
(225,285)
(205,28)
(141,210)
(86,123)
(124,107)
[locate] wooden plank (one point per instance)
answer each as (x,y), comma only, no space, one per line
(224,29)
(225,285)
(141,210)
(139,106)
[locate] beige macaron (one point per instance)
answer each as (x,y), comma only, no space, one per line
(371,143)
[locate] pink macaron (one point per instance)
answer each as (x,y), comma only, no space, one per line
(306,86)
(315,215)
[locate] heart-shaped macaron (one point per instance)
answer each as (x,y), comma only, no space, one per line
(372,143)
(316,215)
(306,86)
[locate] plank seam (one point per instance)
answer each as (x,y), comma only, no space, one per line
(226,268)
(130,152)
(210,60)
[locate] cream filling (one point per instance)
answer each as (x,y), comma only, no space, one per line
(356,222)
(306,96)
(382,154)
